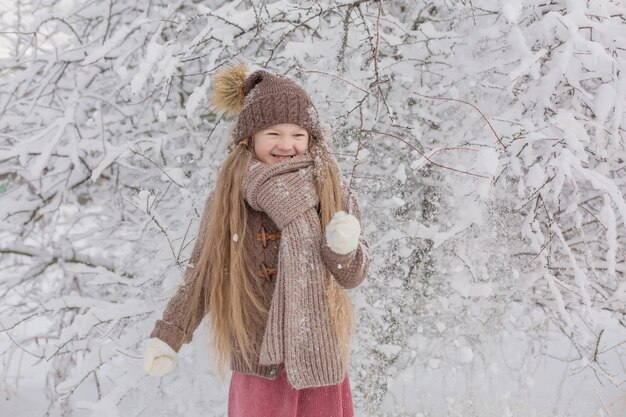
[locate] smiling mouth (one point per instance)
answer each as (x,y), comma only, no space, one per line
(283,156)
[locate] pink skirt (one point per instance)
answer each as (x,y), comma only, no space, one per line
(255,396)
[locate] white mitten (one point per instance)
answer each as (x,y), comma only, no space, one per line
(158,357)
(342,233)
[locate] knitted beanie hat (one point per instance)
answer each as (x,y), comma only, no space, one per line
(262,99)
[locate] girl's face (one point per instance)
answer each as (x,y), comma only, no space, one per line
(280,142)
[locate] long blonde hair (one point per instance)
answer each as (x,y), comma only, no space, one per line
(222,275)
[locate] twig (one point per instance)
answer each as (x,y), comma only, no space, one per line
(424,156)
(469,104)
(595,352)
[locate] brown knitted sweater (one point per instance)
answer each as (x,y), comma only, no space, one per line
(262,241)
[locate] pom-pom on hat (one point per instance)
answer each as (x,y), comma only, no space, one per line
(228,93)
(262,99)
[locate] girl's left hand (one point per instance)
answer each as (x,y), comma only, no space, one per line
(342,233)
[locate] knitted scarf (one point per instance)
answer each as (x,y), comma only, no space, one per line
(299,330)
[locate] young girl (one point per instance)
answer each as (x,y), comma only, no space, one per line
(274,256)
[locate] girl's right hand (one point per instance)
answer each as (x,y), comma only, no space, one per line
(158,357)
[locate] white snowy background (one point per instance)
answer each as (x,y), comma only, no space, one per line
(484,138)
